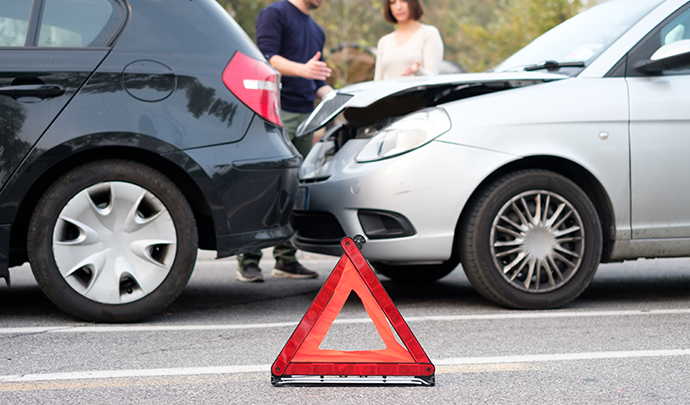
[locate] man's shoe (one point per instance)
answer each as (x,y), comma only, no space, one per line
(251,273)
(293,270)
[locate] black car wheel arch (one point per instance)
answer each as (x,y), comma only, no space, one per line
(100,242)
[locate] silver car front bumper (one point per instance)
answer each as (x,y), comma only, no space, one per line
(427,186)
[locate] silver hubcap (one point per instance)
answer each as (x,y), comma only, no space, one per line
(537,241)
(114,242)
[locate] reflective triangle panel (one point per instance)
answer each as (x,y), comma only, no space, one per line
(302,356)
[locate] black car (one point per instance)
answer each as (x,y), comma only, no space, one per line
(134,132)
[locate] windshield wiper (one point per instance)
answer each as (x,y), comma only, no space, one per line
(553,66)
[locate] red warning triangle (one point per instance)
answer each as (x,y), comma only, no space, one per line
(301,355)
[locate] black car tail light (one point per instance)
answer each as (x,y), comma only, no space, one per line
(256,84)
(384,224)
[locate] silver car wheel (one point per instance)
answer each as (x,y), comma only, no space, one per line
(537,241)
(114,242)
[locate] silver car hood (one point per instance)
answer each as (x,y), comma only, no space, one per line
(374,100)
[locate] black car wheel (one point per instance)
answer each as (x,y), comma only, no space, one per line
(112,241)
(532,240)
(415,273)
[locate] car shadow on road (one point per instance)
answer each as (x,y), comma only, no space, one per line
(24,303)
(640,281)
(213,294)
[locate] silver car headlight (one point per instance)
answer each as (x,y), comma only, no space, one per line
(406,134)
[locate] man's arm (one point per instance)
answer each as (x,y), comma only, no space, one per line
(322,91)
(314,69)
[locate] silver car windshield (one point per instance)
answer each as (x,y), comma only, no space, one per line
(581,39)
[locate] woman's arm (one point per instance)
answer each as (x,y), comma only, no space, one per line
(378,73)
(432,53)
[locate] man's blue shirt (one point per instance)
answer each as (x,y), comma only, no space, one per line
(282,29)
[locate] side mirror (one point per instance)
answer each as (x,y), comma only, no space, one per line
(673,56)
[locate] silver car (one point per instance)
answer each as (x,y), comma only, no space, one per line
(572,152)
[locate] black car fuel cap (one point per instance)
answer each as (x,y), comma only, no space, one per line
(148,80)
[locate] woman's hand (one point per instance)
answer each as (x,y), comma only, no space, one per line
(412,69)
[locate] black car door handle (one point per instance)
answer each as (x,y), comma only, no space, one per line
(33,90)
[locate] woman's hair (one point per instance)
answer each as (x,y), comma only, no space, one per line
(415,6)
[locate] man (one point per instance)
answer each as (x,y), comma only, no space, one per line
(292,42)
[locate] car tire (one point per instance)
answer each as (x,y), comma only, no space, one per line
(532,240)
(112,241)
(415,273)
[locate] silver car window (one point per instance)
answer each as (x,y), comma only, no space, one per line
(676,29)
(583,37)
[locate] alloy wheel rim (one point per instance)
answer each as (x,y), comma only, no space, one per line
(114,242)
(537,241)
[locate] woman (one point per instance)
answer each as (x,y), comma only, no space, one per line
(413,48)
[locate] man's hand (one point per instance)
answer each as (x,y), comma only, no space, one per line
(315,69)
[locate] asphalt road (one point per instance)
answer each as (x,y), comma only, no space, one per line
(625,340)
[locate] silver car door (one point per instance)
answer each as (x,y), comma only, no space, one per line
(660,138)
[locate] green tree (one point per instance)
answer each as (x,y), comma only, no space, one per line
(245,12)
(514,24)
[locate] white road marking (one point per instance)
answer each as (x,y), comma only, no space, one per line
(437,318)
(156,372)
(445,364)
(549,314)
(142,328)
(531,358)
(514,361)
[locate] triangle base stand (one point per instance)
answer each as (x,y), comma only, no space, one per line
(303,362)
(330,380)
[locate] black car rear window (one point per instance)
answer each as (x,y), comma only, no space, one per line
(78,23)
(14,22)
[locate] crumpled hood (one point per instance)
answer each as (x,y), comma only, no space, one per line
(389,98)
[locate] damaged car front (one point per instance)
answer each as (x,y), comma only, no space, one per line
(382,161)
(522,173)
